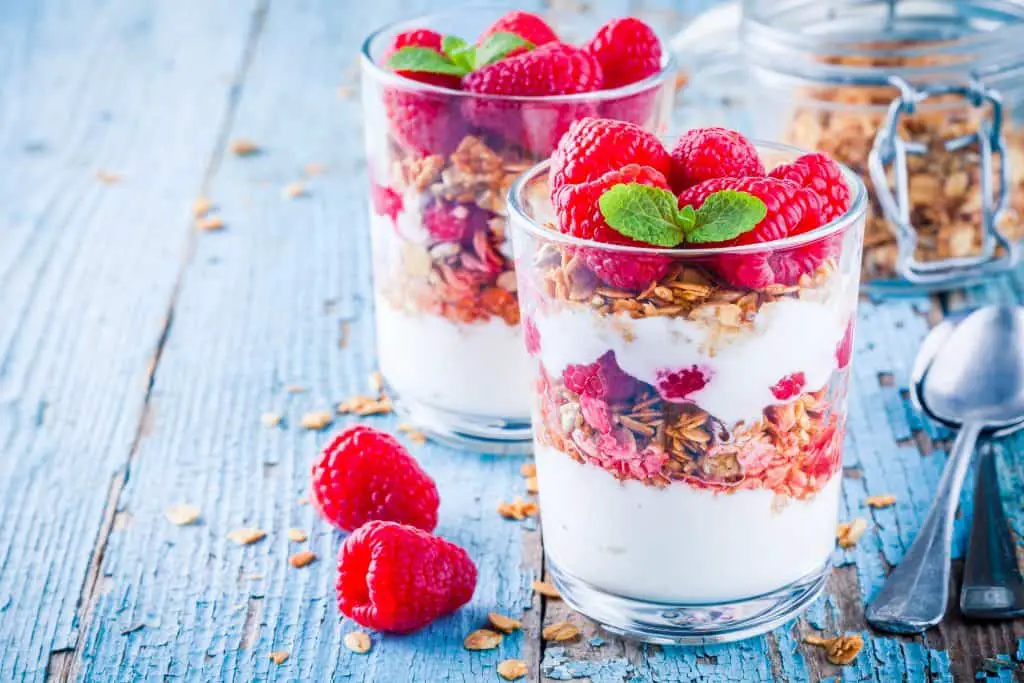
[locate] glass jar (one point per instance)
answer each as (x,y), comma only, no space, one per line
(440,162)
(939,85)
(688,432)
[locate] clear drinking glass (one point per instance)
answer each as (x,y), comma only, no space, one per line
(688,435)
(441,161)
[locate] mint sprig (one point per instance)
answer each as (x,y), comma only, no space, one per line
(457,57)
(652,215)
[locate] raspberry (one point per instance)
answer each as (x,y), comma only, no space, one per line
(592,147)
(789,386)
(421,37)
(844,351)
(453,222)
(704,153)
(531,336)
(526,25)
(822,176)
(677,385)
(551,69)
(424,123)
(386,201)
(397,578)
(628,51)
(364,474)
(579,215)
(602,379)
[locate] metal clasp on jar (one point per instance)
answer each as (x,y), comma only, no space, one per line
(998,253)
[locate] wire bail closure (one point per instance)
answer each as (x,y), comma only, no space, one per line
(890,151)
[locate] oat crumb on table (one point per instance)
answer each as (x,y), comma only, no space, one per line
(503,623)
(270,420)
(482,639)
(317,419)
(881,501)
(512,669)
(302,558)
(546,589)
(279,656)
(182,515)
(358,642)
(246,535)
(244,148)
(848,533)
(210,223)
(560,632)
(297,535)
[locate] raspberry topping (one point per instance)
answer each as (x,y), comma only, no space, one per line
(421,37)
(364,474)
(526,25)
(592,147)
(678,385)
(397,578)
(822,176)
(628,51)
(789,386)
(704,153)
(602,379)
(425,123)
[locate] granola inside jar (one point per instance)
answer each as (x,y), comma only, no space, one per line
(441,159)
(819,77)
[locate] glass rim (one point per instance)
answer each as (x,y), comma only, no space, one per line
(856,212)
(668,69)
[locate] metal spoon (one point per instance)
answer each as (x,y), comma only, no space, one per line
(992,586)
(977,381)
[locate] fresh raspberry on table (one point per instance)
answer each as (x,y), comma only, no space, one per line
(551,69)
(789,386)
(844,350)
(526,25)
(592,147)
(602,379)
(579,215)
(823,176)
(701,154)
(397,578)
(678,385)
(365,474)
(628,51)
(421,37)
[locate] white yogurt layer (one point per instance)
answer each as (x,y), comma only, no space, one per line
(678,544)
(473,368)
(787,336)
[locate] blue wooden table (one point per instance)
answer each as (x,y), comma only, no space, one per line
(138,353)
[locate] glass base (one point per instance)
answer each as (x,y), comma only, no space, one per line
(689,624)
(491,435)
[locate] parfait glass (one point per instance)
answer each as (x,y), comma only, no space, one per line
(688,433)
(441,161)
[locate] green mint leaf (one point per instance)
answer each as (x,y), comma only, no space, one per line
(459,51)
(725,215)
(497,46)
(644,213)
(411,58)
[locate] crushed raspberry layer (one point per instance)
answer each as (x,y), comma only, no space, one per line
(793,450)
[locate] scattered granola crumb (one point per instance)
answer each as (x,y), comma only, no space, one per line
(247,535)
(270,420)
(512,669)
(108,177)
(201,206)
(278,656)
(482,639)
(881,501)
(302,558)
(546,589)
(841,650)
(318,419)
(358,642)
(531,485)
(560,632)
(294,190)
(503,623)
(244,148)
(518,509)
(296,389)
(314,169)
(365,405)
(416,436)
(182,515)
(848,533)
(210,223)
(255,577)
(297,535)
(303,500)
(528,469)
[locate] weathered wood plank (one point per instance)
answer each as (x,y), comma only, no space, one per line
(87,268)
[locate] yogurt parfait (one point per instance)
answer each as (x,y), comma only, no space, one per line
(690,313)
(457,105)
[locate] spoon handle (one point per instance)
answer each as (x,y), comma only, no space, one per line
(914,596)
(992,588)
